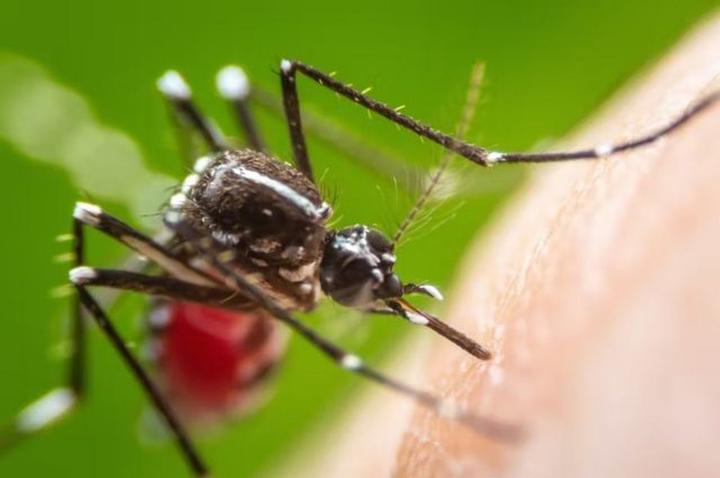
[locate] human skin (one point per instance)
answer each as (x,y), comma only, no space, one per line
(598,291)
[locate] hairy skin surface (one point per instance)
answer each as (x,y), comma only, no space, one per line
(598,293)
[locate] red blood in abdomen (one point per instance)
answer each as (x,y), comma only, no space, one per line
(209,359)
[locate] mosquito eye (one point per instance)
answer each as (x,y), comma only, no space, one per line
(350,281)
(391,287)
(356,272)
(378,242)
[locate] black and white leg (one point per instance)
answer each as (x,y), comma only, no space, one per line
(59,402)
(294,121)
(179,96)
(346,142)
(161,286)
(93,216)
(477,154)
(234,85)
(230,299)
(181,435)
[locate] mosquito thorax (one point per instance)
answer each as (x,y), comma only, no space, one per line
(357,267)
(268,216)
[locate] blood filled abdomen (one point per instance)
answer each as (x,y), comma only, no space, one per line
(211,363)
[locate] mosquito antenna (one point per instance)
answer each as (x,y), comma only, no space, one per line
(471,102)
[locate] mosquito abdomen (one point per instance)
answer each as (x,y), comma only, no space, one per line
(212,362)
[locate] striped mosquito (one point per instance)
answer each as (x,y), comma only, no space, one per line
(248,244)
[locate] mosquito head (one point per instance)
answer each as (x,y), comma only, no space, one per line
(357,267)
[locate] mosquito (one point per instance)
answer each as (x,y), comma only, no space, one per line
(249,244)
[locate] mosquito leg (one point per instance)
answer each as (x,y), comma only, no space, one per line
(179,96)
(486,426)
(352,363)
(610,149)
(161,286)
(289,70)
(76,371)
(59,402)
(179,290)
(187,448)
(477,154)
(93,216)
(234,85)
(345,142)
(294,121)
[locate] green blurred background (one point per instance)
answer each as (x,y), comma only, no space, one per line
(549,65)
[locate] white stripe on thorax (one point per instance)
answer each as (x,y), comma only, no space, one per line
(281,189)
